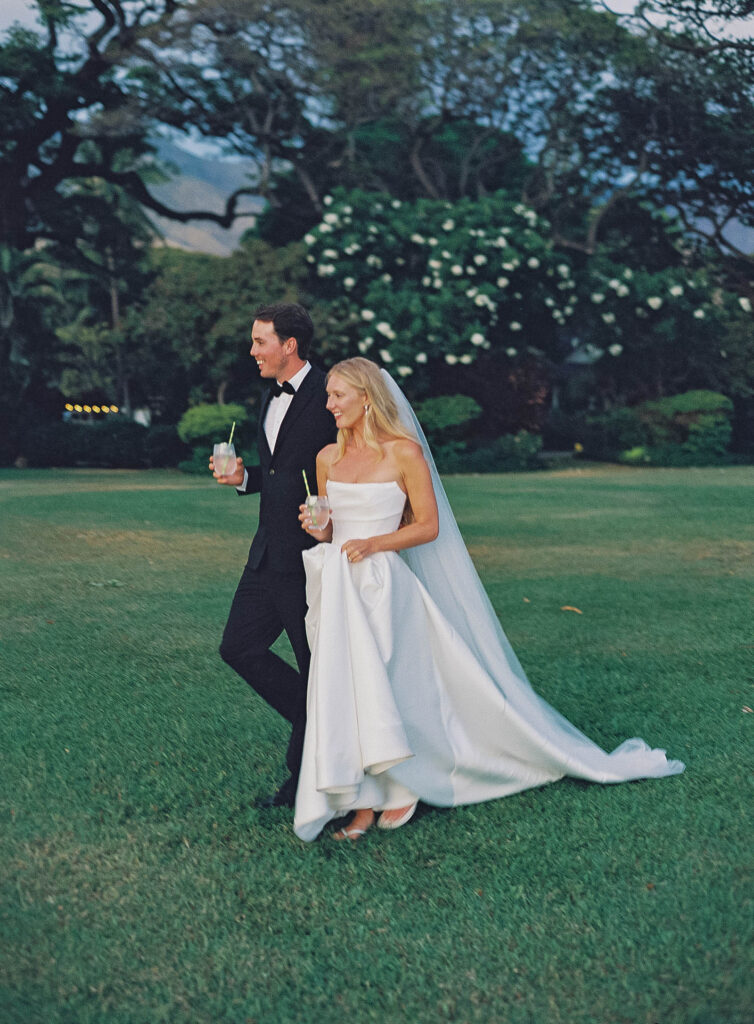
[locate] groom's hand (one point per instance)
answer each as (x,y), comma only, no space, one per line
(234,479)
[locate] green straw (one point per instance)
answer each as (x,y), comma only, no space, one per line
(306,484)
(230,439)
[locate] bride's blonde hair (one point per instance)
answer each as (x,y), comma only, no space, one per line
(382,419)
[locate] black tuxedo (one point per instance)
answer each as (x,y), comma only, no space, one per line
(271,593)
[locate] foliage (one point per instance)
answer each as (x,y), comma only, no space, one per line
(140,883)
(211,424)
(446,416)
(507,454)
(412,284)
(690,429)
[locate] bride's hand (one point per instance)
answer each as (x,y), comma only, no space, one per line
(357,550)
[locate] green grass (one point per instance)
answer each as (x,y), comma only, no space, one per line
(140,885)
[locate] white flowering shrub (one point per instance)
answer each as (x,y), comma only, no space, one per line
(410,282)
(413,281)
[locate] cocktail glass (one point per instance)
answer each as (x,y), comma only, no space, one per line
(224,457)
(319,510)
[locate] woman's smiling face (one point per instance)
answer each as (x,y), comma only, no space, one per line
(345,402)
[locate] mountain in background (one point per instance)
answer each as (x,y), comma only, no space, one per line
(201,183)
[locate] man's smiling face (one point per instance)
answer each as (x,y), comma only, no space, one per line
(271,354)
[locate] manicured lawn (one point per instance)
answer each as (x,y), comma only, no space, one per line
(140,885)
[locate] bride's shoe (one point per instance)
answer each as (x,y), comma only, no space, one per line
(406,814)
(353,831)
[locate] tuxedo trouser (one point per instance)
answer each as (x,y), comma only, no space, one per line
(266,603)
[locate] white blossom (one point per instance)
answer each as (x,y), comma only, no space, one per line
(699,314)
(387,278)
(622,290)
(437,283)
(325,269)
(511,265)
(367,314)
(310,239)
(456,269)
(404,371)
(614,283)
(384,328)
(351,249)
(654,302)
(330,254)
(419,239)
(448,225)
(609,318)
(511,352)
(327,200)
(385,356)
(426,282)
(598,297)
(549,302)
(396,204)
(420,357)
(503,282)
(745,304)
(373,260)
(471,271)
(450,359)
(348,209)
(471,292)
(477,338)
(615,350)
(324,228)
(514,325)
(564,270)
(467,358)
(399,261)
(445,254)
(532,262)
(435,264)
(480,259)
(330,218)
(676,290)
(431,241)
(349,282)
(362,346)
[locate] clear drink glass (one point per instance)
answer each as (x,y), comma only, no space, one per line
(224,457)
(319,509)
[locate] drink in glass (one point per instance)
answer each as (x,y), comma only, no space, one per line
(224,457)
(319,510)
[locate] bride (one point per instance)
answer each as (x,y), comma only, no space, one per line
(414,691)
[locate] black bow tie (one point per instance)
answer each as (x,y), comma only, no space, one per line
(278,389)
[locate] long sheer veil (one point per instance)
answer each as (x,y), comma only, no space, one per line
(446,570)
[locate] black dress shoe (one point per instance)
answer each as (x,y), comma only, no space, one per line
(284,797)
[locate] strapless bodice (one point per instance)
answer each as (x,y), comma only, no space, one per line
(364,509)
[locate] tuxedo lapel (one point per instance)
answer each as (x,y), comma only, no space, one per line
(304,395)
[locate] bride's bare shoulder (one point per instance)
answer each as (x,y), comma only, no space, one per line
(404,450)
(326,455)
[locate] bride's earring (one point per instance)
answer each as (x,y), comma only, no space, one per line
(366,409)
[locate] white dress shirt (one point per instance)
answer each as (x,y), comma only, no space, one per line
(275,415)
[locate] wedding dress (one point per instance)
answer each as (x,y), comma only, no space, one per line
(414,690)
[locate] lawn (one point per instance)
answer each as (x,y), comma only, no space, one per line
(140,885)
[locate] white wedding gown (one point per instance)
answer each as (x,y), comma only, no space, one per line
(401,705)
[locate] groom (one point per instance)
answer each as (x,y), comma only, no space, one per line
(293,426)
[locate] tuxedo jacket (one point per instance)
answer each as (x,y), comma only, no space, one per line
(306,428)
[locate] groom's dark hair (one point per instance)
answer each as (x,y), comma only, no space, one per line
(289,320)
